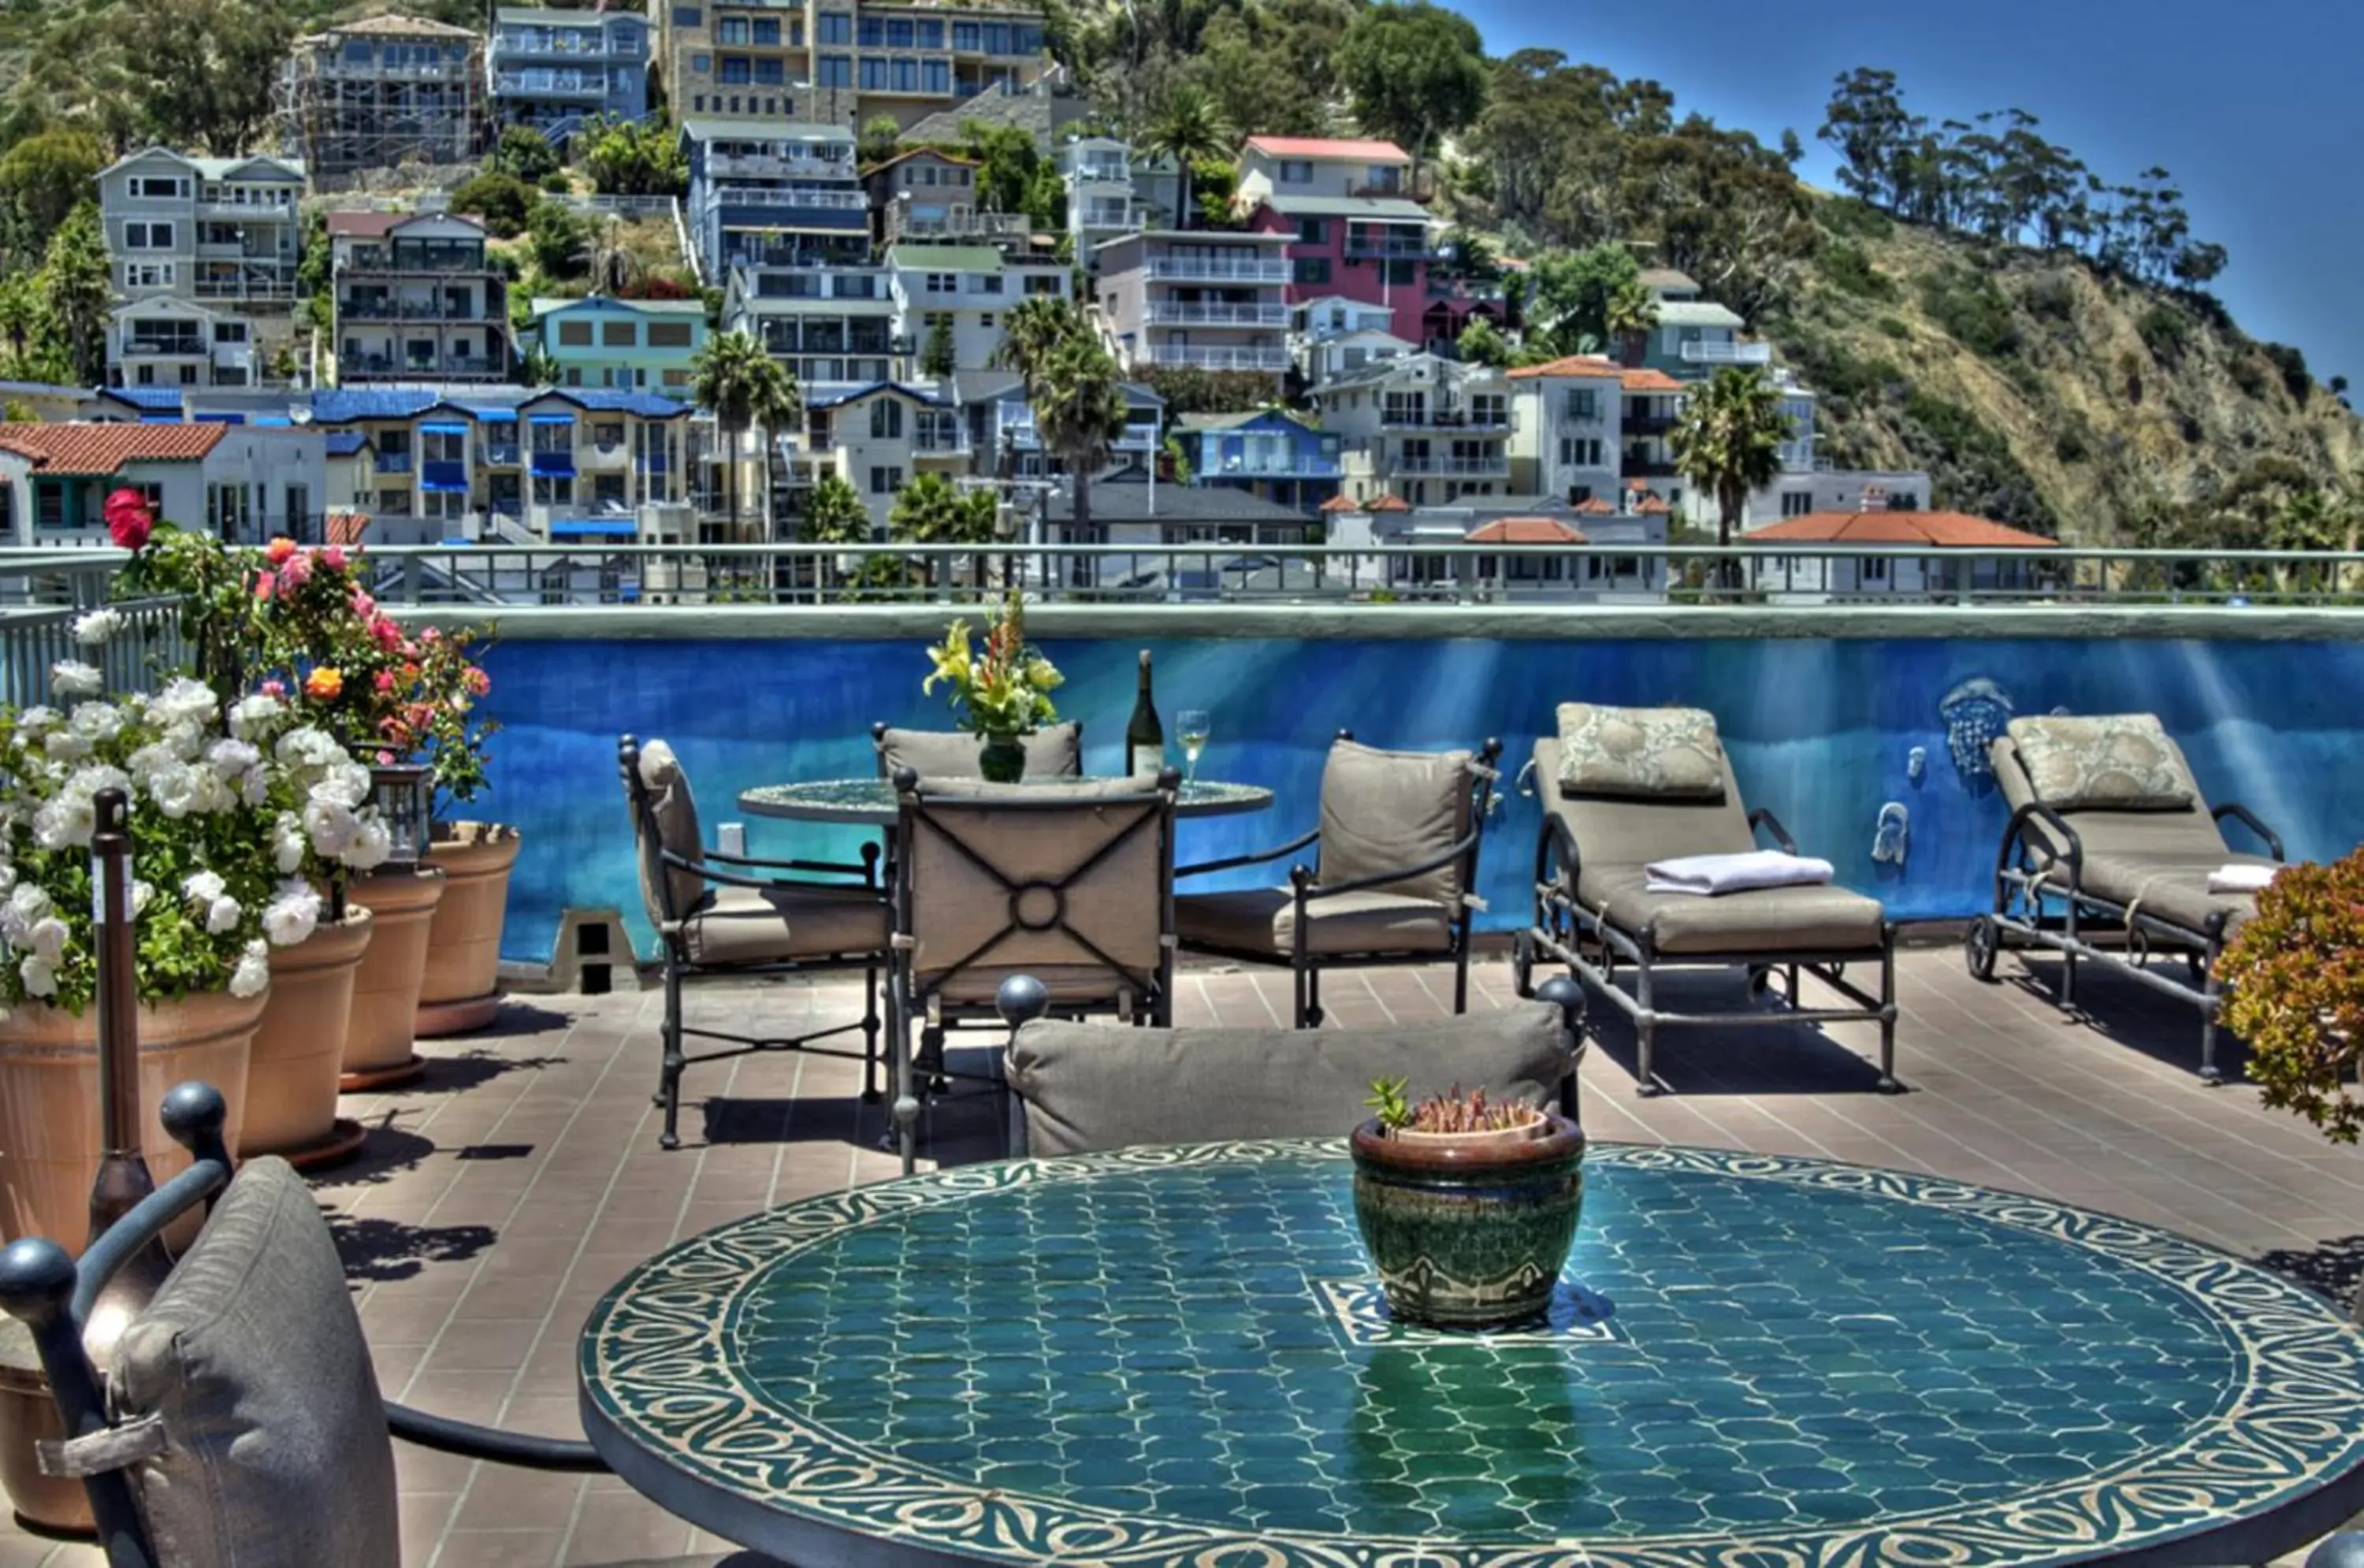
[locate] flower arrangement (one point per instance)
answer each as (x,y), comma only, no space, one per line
(1003,689)
(236,819)
(1454,1112)
(2295,974)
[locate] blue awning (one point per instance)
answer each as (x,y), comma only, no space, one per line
(221,419)
(273,419)
(593,527)
(160,418)
(445,426)
(449,486)
(498,416)
(551,419)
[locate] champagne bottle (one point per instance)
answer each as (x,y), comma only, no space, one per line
(1144,738)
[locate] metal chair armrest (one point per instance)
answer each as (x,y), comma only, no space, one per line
(2249,819)
(471,1441)
(2072,852)
(1381,878)
(1235,862)
(1554,840)
(1763,817)
(731,879)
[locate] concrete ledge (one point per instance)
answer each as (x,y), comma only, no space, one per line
(1490,623)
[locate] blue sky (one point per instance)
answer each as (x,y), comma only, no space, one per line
(2251,107)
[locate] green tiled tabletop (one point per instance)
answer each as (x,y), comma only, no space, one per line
(1177,1355)
(872,801)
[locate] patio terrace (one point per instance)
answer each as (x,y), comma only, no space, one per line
(501,1195)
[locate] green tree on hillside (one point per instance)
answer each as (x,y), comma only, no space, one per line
(1414,72)
(524,154)
(77,288)
(1629,318)
(930,510)
(1072,383)
(1728,441)
(937,357)
(562,244)
(833,514)
(202,70)
(1188,127)
(629,158)
(1569,292)
(42,179)
(744,388)
(879,139)
(505,202)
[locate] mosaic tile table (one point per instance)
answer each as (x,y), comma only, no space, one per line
(871,801)
(1176,1355)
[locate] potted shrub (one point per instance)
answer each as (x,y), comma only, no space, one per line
(1467,1205)
(1002,690)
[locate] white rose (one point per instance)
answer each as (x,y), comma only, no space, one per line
(372,841)
(35,719)
(98,627)
(175,790)
(150,760)
(347,784)
(253,972)
(41,977)
(142,894)
(203,887)
(65,822)
(185,701)
(97,720)
(47,939)
(287,844)
(232,758)
(7,876)
(331,826)
(294,915)
(65,745)
(71,678)
(27,902)
(253,717)
(222,915)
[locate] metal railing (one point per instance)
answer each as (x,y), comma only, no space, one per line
(1210,359)
(1197,268)
(46,583)
(1728,353)
(788,196)
(1165,312)
(33,640)
(415,310)
(1465,467)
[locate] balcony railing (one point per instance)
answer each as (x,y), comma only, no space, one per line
(552,83)
(1275,468)
(257,291)
(961,221)
(188,348)
(497,454)
(387,364)
(1728,353)
(1213,359)
(1217,270)
(1443,419)
(764,163)
(392,462)
(1646,424)
(415,310)
(1102,171)
(789,196)
(1364,249)
(1455,467)
(247,212)
(1170,312)
(381,264)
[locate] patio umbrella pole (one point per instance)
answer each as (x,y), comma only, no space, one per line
(123,1177)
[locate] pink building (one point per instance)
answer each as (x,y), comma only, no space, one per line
(1354,232)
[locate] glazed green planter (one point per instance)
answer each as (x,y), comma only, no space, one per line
(1469,1231)
(1002,759)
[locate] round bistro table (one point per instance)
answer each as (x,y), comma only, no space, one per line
(871,801)
(1177,1356)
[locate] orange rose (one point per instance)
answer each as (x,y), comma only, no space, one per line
(324,684)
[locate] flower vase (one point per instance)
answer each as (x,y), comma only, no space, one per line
(1003,760)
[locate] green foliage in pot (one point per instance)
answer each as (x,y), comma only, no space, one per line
(2295,974)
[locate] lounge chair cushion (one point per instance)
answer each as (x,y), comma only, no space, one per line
(746,925)
(1264,919)
(1768,920)
(1089,1087)
(675,809)
(1646,754)
(2113,762)
(1624,831)
(2173,888)
(1053,751)
(1385,810)
(251,1356)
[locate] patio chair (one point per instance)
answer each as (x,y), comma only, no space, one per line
(238,1422)
(1070,883)
(1608,814)
(1395,881)
(722,915)
(2108,828)
(1079,1088)
(1054,752)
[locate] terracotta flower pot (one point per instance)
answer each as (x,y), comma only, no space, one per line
(460,990)
(379,1032)
(299,1048)
(29,1415)
(50,1095)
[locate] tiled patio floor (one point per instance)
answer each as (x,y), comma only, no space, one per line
(504,1193)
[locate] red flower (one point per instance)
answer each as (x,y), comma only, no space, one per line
(278,551)
(477,681)
(128,520)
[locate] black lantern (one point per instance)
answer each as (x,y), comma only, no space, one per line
(405,800)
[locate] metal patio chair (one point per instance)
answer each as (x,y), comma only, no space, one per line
(722,915)
(1053,751)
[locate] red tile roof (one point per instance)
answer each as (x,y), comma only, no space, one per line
(1653,507)
(1572,365)
(1593,505)
(1339,504)
(1651,380)
(374,225)
(1525,531)
(103,449)
(1324,147)
(1946,531)
(1387,503)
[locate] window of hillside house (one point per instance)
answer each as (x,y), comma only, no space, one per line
(574,334)
(767,32)
(619,334)
(771,73)
(885,481)
(886,420)
(1296,171)
(608,437)
(159,187)
(836,69)
(1041,285)
(1313,230)
(836,27)
(148,237)
(737,70)
(669,335)
(1796,503)
(731,29)
(1310,269)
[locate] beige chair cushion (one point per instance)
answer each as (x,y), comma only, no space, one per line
(746,925)
(1382,810)
(1766,921)
(276,1454)
(1089,1087)
(1263,920)
(1056,751)
(2190,834)
(2112,762)
(1647,753)
(2173,888)
(675,809)
(1617,831)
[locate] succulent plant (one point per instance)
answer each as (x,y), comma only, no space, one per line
(1453,1112)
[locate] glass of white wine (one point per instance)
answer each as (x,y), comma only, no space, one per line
(1193,722)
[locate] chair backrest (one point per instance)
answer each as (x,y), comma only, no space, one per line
(2187,831)
(1086,1088)
(245,1414)
(664,817)
(1053,751)
(1071,882)
(1635,830)
(1381,810)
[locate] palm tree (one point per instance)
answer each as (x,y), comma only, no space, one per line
(930,509)
(833,515)
(1631,312)
(1079,411)
(778,405)
(1189,126)
(743,387)
(1031,330)
(1728,441)
(537,366)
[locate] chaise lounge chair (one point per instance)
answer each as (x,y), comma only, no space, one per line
(1624,787)
(2107,826)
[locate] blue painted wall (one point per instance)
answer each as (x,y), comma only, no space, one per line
(1821,730)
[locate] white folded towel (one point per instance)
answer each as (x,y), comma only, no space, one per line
(1707,875)
(2240,878)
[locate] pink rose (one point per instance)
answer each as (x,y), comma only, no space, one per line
(295,573)
(364,606)
(274,688)
(333,558)
(385,680)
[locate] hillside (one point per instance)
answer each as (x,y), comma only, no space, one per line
(2038,389)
